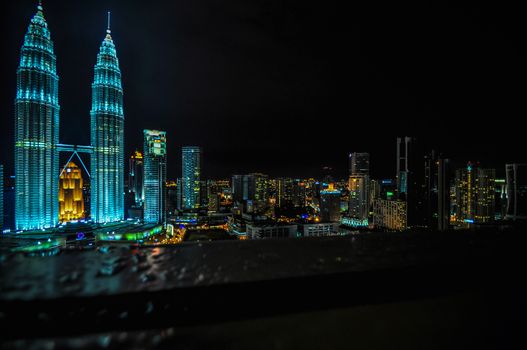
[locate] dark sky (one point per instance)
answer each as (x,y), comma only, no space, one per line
(287,87)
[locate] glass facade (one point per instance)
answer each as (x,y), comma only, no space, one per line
(36,130)
(359,204)
(191,165)
(135,178)
(107,137)
(154,178)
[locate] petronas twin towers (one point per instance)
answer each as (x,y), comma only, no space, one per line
(37,133)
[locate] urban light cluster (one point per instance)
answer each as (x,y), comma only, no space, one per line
(425,191)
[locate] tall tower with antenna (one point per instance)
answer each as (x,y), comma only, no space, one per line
(107,136)
(36,130)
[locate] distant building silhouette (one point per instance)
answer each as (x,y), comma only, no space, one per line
(516,179)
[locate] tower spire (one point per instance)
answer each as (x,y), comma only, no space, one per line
(108,29)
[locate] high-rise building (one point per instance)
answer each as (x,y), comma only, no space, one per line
(259,184)
(299,193)
(218,191)
(387,189)
(135,178)
(284,192)
(475,191)
(179,193)
(330,204)
(171,191)
(154,175)
(1,197)
(191,177)
(239,192)
(71,199)
(429,191)
(390,214)
(359,187)
(253,187)
(203,198)
(359,204)
(443,194)
(107,136)
(359,163)
(486,192)
(410,179)
(36,130)
(516,179)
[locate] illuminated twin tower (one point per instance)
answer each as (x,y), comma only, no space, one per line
(37,133)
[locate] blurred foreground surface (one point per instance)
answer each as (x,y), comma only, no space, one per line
(411,290)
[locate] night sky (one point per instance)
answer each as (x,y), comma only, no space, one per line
(286,88)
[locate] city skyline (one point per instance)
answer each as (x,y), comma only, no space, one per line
(164,165)
(260,130)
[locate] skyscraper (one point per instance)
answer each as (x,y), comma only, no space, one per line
(330,204)
(36,130)
(516,191)
(475,191)
(155,173)
(410,177)
(250,187)
(390,214)
(443,194)
(359,204)
(359,186)
(359,163)
(107,136)
(191,168)
(284,192)
(135,178)
(71,199)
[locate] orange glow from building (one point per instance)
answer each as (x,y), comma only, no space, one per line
(71,200)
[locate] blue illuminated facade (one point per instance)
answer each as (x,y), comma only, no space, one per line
(191,165)
(36,130)
(155,174)
(107,136)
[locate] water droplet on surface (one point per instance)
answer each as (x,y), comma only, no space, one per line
(149,307)
(110,269)
(104,341)
(147,277)
(200,278)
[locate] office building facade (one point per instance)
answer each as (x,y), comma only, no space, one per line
(330,204)
(135,178)
(37,130)
(191,160)
(154,176)
(474,195)
(107,136)
(516,180)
